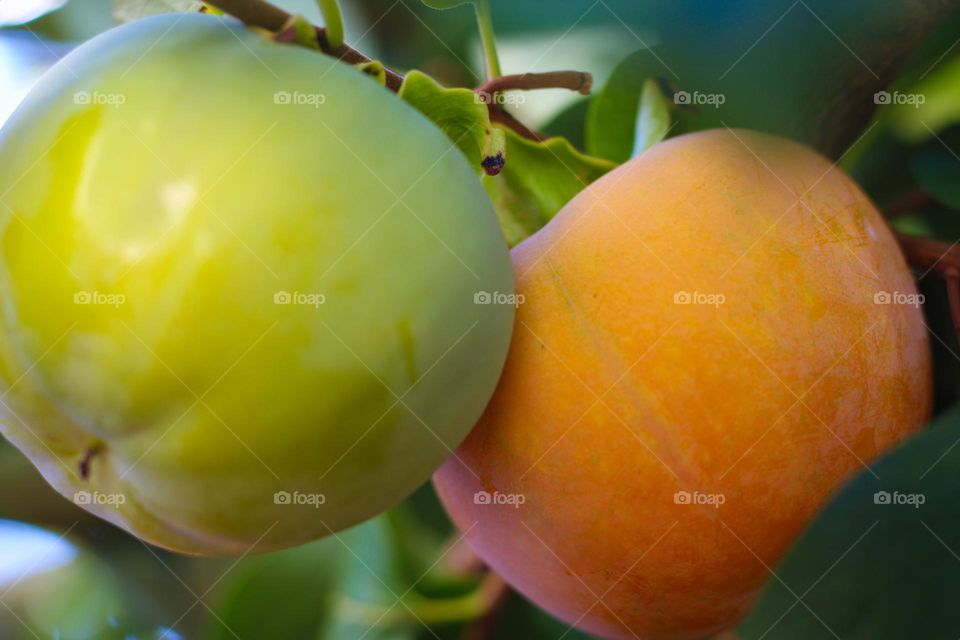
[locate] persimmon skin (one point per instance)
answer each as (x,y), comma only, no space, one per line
(615,397)
(287,260)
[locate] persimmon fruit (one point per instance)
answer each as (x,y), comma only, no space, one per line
(714,336)
(239,284)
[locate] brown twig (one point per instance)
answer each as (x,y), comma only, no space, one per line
(260,13)
(941,258)
(578,81)
(352,56)
(953,296)
(932,256)
(508,120)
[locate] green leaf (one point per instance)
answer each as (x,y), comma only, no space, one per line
(653,117)
(299,31)
(381,595)
(375,70)
(569,123)
(612,117)
(538,180)
(936,166)
(458,112)
(929,106)
(881,561)
(286,594)
(130,10)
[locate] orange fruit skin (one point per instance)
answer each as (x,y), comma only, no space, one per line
(615,397)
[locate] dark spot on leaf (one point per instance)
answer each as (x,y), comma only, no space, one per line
(493,165)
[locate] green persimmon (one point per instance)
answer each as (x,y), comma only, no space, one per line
(250,297)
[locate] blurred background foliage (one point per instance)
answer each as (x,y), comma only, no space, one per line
(808,70)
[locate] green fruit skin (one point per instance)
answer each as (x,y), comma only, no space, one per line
(184,183)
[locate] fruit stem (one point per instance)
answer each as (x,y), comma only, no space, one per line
(259,13)
(487,38)
(578,81)
(952,276)
(508,120)
(333,20)
(933,256)
(927,254)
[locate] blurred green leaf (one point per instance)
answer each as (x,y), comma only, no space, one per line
(394,587)
(538,180)
(367,601)
(653,117)
(458,112)
(612,117)
(934,104)
(53,588)
(569,123)
(279,595)
(936,167)
(881,561)
(932,76)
